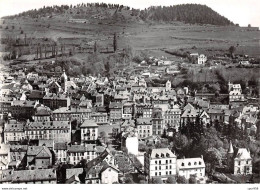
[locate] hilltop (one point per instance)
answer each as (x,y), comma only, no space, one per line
(114,13)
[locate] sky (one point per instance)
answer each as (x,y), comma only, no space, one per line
(242,12)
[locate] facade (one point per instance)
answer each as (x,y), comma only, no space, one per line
(89,132)
(144,127)
(173,117)
(157,122)
(75,154)
(39,157)
(242,162)
(60,150)
(115,111)
(58,131)
(14,131)
(191,166)
(160,162)
(202,59)
(71,113)
(55,101)
(235,92)
(99,118)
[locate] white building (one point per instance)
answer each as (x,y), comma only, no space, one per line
(243,162)
(160,162)
(13,131)
(191,166)
(202,59)
(131,144)
(235,92)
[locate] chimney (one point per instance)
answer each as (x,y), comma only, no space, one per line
(202,157)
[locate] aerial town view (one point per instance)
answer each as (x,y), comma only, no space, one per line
(104,93)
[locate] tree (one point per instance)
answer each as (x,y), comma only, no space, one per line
(129,180)
(115,42)
(192,180)
(157,180)
(181,180)
(232,50)
(171,180)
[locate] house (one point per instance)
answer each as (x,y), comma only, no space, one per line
(115,110)
(60,150)
(242,162)
(14,131)
(17,155)
(71,113)
(37,176)
(55,101)
(157,122)
(89,132)
(39,157)
(192,114)
(160,162)
(191,166)
(23,108)
(59,131)
(42,113)
(202,59)
(99,117)
(4,156)
(235,92)
(130,142)
(144,127)
(75,153)
(172,117)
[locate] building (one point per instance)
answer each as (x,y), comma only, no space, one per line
(42,113)
(191,166)
(115,110)
(39,157)
(75,154)
(58,131)
(60,150)
(144,127)
(172,117)
(235,92)
(160,162)
(130,142)
(17,156)
(89,132)
(202,59)
(14,131)
(37,176)
(55,101)
(242,162)
(157,122)
(71,113)
(99,117)
(4,156)
(23,108)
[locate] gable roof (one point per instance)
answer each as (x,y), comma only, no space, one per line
(89,123)
(242,154)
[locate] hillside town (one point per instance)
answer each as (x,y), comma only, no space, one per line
(108,130)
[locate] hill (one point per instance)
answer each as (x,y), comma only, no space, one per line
(112,13)
(188,13)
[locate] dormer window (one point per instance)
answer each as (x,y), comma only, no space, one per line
(157,155)
(195,163)
(182,164)
(199,163)
(189,164)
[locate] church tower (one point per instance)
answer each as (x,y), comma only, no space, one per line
(230,157)
(64,79)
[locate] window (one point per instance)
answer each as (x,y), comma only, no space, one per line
(155,162)
(166,167)
(239,163)
(166,173)
(156,173)
(182,164)
(160,168)
(170,172)
(170,161)
(166,161)
(155,167)
(160,162)
(159,173)
(170,167)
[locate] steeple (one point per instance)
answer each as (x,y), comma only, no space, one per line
(230,149)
